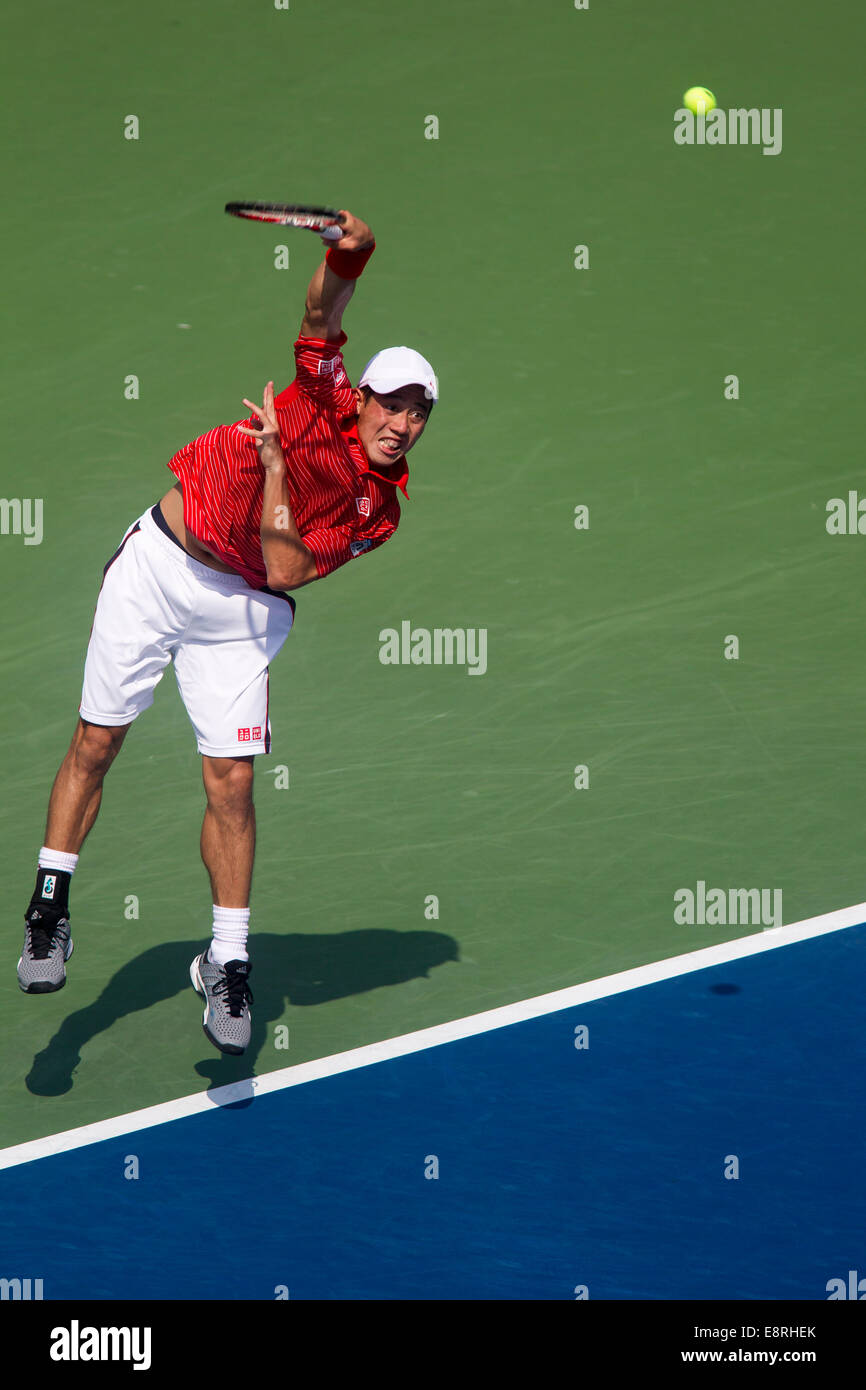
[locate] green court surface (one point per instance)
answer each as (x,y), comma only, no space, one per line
(560,387)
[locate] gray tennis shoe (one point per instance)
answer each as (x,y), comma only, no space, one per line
(47,948)
(227,996)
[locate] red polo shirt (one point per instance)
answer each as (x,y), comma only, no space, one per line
(342,507)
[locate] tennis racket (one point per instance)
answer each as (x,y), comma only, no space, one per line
(314,219)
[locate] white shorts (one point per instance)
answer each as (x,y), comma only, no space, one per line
(157,603)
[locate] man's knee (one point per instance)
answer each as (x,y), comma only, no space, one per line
(95,746)
(228,783)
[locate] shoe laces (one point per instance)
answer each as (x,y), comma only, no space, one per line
(43,930)
(234,985)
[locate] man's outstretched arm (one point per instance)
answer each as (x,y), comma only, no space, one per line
(329,293)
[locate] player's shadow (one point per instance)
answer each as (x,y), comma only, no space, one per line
(303,970)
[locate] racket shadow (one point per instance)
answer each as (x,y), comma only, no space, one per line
(298,970)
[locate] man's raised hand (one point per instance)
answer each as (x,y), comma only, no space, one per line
(356,234)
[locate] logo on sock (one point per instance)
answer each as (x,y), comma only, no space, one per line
(49,885)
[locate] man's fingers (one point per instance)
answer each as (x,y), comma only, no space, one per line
(264,413)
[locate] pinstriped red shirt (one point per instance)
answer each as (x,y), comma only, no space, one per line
(342,507)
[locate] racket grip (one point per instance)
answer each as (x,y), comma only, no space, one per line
(331,233)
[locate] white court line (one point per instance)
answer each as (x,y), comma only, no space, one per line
(458,1028)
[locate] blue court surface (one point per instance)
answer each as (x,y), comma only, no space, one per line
(560,1167)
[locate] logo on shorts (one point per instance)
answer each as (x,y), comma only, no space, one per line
(49,885)
(358,547)
(364,505)
(250,735)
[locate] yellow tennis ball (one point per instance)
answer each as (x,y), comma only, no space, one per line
(700,100)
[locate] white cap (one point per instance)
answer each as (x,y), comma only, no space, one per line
(400,366)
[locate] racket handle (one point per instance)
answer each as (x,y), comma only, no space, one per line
(331,233)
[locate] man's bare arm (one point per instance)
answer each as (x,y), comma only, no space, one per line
(329,293)
(288,562)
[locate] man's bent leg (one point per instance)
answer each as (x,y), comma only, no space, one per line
(77,791)
(72,809)
(221,666)
(228,833)
(228,841)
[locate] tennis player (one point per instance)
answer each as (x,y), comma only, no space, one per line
(307,482)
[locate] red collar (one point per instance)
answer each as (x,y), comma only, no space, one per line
(349,427)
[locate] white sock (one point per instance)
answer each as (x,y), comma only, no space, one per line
(231,927)
(57,859)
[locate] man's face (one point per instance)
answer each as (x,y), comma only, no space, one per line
(389,426)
